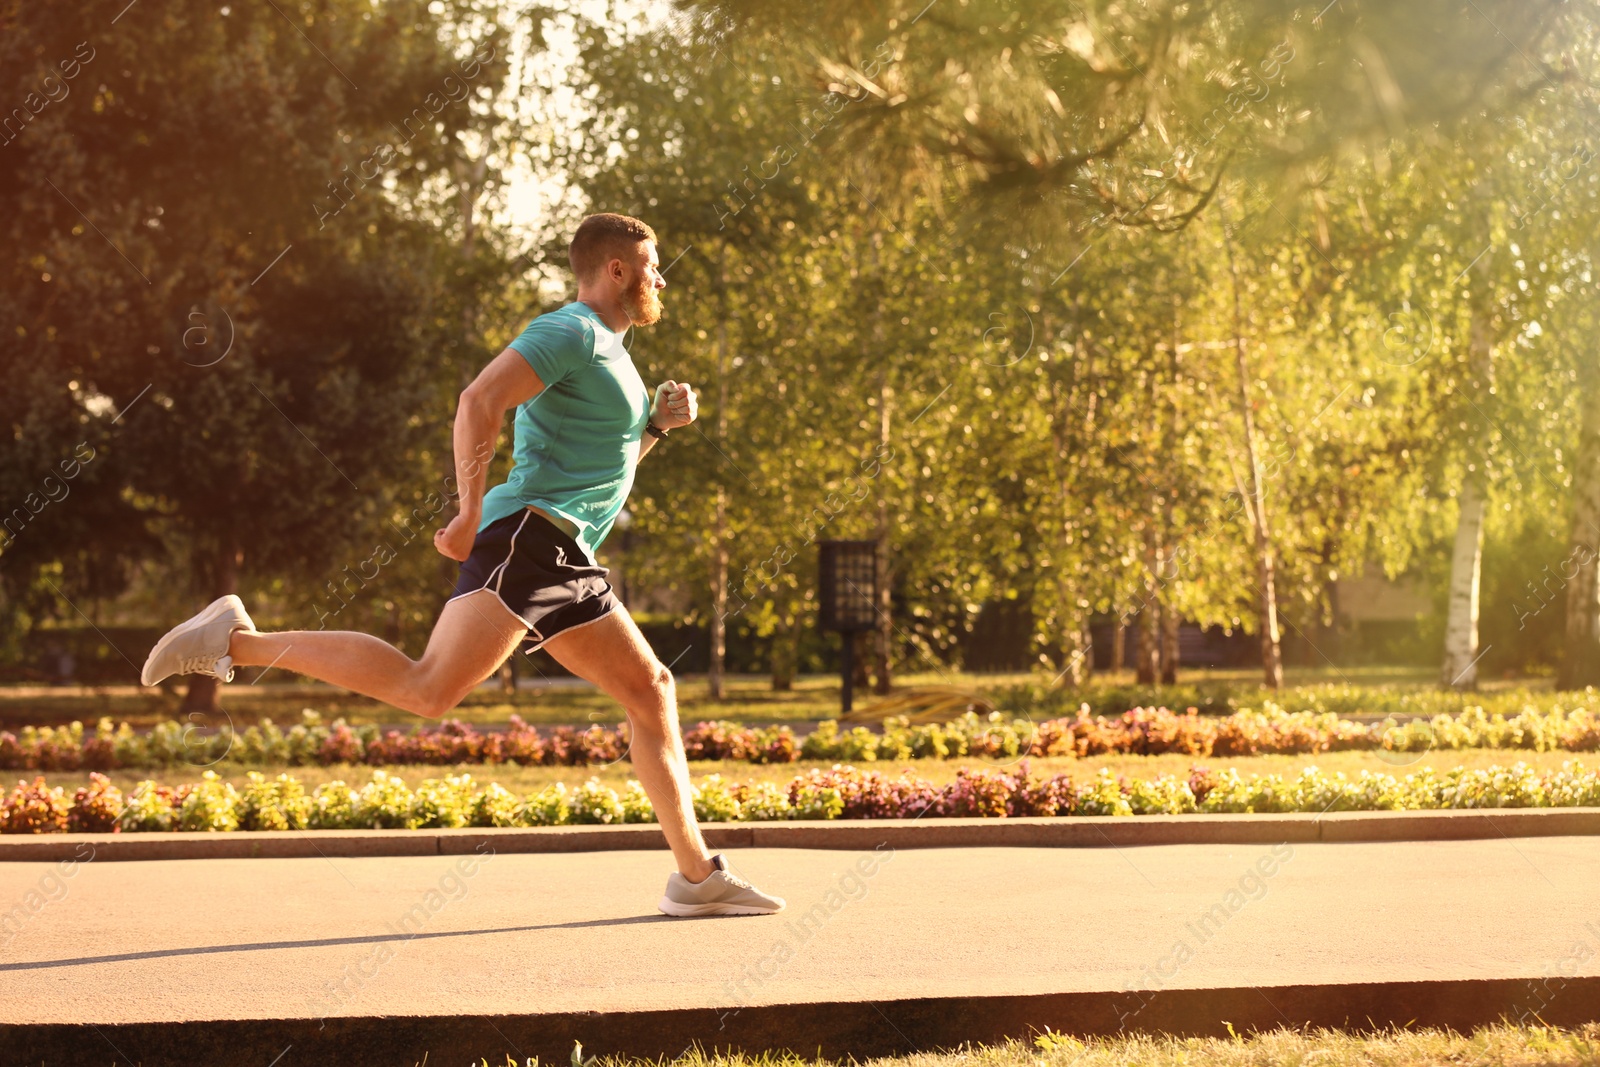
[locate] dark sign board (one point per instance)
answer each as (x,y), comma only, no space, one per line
(848,574)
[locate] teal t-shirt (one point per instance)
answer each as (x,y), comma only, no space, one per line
(577,442)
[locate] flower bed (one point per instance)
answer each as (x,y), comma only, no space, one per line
(1141,731)
(841,792)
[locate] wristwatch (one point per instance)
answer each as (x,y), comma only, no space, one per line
(653,430)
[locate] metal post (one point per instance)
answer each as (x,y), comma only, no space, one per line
(847,658)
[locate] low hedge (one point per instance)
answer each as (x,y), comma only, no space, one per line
(282,803)
(1141,731)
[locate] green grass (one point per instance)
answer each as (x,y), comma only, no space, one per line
(1501,1046)
(746,698)
(522,780)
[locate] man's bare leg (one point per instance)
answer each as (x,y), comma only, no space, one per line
(474,635)
(615,656)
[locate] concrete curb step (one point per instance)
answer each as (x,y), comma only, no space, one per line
(1045,832)
(835,1028)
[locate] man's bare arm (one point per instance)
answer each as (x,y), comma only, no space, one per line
(507,382)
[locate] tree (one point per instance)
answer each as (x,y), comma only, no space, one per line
(253,336)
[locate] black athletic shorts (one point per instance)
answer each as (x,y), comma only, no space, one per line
(541,575)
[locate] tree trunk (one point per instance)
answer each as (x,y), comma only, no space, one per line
(1266,570)
(1147,648)
(203,694)
(884,646)
(1072,615)
(1168,554)
(1460,667)
(719,531)
(1119,642)
(1146,644)
(785,654)
(1169,629)
(1077,653)
(719,594)
(1580,659)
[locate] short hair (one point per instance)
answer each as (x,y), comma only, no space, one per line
(601,238)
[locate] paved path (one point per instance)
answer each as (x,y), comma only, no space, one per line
(384,958)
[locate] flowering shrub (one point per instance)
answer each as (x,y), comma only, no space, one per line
(1165,795)
(96,807)
(1102,796)
(718,741)
(860,794)
(774,744)
(1055,795)
(837,792)
(149,807)
(636,805)
(549,807)
(333,806)
(809,799)
(760,802)
(342,745)
(443,803)
(495,806)
(1263,728)
(385,803)
(279,804)
(714,801)
(520,743)
(211,805)
(35,808)
(594,803)
(977,792)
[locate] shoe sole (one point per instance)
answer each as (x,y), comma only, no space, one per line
(687,911)
(214,611)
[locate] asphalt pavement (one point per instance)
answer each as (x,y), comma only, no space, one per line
(382,959)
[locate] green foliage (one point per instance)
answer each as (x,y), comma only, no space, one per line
(334,807)
(279,804)
(841,792)
(211,805)
(762,802)
(444,803)
(385,803)
(714,801)
(550,806)
(1104,797)
(149,808)
(495,806)
(595,803)
(636,806)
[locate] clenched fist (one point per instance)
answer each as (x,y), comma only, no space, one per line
(455,540)
(675,405)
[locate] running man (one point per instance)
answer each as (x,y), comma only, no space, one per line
(527,550)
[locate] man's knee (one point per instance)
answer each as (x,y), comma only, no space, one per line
(435,698)
(653,689)
(433,705)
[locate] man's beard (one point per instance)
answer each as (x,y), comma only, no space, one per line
(642,302)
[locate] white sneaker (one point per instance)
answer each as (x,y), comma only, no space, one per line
(199,646)
(723,893)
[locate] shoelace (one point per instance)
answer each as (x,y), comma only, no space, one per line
(734,879)
(199,665)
